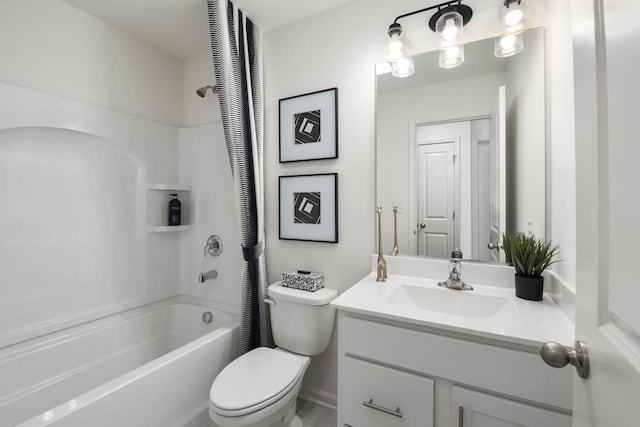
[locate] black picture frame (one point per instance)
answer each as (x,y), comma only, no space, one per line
(308,207)
(308,126)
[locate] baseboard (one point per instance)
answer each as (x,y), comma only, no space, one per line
(320,398)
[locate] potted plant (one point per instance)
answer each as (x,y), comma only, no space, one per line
(530,257)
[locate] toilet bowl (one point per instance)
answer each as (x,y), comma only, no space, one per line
(260,388)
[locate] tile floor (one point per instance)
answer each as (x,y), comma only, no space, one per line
(311,415)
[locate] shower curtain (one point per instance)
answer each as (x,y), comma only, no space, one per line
(237,58)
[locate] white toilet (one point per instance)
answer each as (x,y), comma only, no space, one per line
(259,389)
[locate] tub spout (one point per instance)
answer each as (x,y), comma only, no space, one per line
(207,276)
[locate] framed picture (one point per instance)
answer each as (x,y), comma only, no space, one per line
(309,126)
(309,207)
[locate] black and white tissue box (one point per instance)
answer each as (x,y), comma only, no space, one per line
(303,280)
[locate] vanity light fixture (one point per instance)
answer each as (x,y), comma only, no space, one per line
(513,22)
(447,22)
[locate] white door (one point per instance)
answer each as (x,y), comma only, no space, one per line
(607,88)
(436,199)
(498,168)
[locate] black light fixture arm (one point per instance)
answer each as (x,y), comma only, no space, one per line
(456,5)
(447,4)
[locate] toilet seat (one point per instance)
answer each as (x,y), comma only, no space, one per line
(254,381)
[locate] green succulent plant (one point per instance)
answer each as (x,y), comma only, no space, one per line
(529,255)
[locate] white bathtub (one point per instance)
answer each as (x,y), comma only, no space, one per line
(150,366)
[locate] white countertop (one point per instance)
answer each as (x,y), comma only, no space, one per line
(492,312)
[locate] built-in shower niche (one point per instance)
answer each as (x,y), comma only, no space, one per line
(72,227)
(158,197)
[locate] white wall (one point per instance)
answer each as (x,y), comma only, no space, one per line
(561,146)
(198,72)
(525,96)
(55,48)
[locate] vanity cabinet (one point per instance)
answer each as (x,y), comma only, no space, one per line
(475,409)
(397,374)
(371,396)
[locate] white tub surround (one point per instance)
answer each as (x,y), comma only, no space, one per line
(148,366)
(75,245)
(447,349)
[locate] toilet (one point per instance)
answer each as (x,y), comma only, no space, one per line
(260,388)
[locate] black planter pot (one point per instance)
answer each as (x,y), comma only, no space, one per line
(530,288)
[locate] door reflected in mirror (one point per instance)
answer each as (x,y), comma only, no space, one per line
(461,151)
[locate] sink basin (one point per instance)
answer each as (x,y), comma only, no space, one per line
(442,300)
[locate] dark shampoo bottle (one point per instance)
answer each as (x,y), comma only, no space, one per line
(174,210)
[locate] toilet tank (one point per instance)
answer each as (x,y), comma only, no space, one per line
(302,321)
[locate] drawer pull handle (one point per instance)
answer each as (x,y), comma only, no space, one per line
(372,405)
(461,417)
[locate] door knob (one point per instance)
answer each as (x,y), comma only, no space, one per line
(422,225)
(496,246)
(558,356)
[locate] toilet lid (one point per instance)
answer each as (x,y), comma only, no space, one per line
(254,379)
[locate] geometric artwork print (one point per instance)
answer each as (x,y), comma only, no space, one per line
(306,208)
(307,127)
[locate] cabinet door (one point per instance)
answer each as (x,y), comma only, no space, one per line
(483,410)
(372,395)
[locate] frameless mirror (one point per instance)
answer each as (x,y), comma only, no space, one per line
(461,152)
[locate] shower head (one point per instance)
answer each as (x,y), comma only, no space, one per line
(203,90)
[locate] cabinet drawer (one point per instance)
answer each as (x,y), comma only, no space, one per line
(483,410)
(503,370)
(372,395)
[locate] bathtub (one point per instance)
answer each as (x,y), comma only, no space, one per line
(149,366)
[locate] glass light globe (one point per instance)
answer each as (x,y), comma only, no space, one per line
(451,56)
(508,45)
(507,42)
(450,31)
(403,67)
(452,52)
(395,44)
(449,28)
(513,17)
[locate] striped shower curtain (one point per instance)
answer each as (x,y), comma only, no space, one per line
(237,58)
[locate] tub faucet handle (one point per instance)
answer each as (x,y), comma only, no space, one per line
(213,246)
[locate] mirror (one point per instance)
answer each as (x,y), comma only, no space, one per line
(461,152)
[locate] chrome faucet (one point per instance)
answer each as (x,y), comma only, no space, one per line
(207,276)
(455,273)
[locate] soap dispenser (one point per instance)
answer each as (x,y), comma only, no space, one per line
(174,210)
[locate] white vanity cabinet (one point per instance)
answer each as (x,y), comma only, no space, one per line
(476,409)
(371,398)
(401,374)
